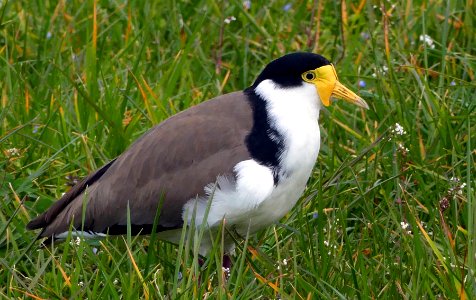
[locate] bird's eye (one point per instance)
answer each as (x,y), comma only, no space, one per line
(309,76)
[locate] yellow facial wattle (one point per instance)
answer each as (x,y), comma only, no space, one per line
(327,85)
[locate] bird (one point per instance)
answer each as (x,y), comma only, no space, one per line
(241,159)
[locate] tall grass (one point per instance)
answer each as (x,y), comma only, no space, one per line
(384,215)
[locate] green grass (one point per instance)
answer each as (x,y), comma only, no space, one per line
(80,80)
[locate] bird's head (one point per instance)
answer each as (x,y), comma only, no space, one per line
(296,69)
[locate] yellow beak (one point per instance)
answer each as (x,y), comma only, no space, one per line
(341,92)
(329,86)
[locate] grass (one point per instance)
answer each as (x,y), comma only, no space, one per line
(384,215)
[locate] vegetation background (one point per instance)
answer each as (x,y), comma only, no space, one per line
(390,211)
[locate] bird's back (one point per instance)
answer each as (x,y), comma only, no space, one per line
(173,161)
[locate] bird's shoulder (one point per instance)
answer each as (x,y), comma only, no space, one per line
(180,157)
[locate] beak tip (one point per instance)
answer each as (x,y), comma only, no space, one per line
(340,91)
(361,102)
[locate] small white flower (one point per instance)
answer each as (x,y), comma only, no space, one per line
(48,35)
(116,281)
(425,38)
(404,225)
(81,284)
(459,189)
(326,243)
(398,129)
(454,179)
(285,262)
(380,71)
(13,152)
(402,149)
(230,19)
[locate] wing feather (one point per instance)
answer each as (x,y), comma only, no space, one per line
(174,160)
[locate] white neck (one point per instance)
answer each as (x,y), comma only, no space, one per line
(294,113)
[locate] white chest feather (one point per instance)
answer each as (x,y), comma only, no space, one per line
(294,113)
(252,200)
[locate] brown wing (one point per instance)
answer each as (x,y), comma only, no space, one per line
(173,161)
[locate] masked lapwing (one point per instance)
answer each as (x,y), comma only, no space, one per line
(242,159)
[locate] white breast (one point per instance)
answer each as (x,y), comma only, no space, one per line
(295,114)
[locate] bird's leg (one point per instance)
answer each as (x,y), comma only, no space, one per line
(226,265)
(226,261)
(201,262)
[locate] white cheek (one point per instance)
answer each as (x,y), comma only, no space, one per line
(300,101)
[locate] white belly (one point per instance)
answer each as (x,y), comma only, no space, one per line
(247,206)
(280,202)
